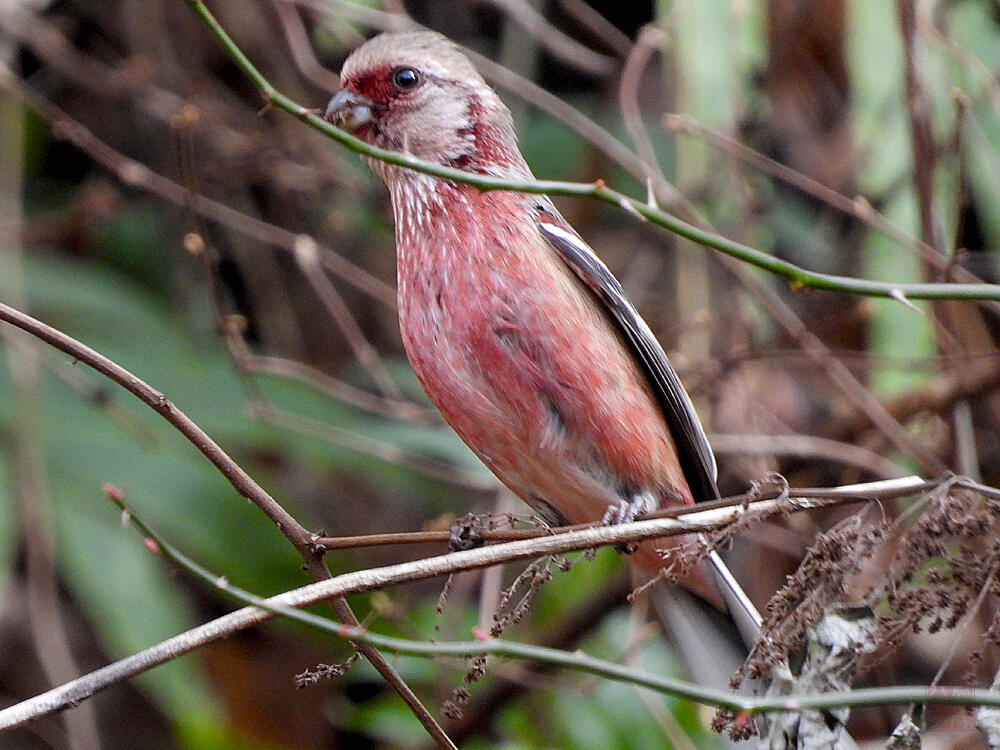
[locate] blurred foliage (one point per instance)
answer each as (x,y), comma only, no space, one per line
(103,260)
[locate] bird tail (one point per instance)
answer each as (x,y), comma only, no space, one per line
(709,580)
(742,610)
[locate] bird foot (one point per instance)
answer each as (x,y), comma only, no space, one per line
(627,511)
(466,533)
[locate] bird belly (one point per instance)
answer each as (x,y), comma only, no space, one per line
(538,385)
(524,365)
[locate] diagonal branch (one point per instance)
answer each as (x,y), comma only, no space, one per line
(300,537)
(378,578)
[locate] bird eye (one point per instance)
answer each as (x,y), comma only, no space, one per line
(406,79)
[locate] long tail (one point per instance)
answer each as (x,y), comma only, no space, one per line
(741,609)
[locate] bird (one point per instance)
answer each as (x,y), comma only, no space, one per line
(517,331)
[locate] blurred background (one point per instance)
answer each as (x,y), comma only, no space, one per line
(239,262)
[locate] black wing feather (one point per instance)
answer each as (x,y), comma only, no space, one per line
(693,450)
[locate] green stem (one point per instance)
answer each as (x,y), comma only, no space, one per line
(797,276)
(577,660)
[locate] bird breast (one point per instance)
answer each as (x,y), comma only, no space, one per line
(519,357)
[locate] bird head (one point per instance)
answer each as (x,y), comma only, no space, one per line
(417,93)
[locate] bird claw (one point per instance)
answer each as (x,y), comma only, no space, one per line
(627,511)
(466,533)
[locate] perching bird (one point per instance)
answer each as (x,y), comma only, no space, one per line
(518,332)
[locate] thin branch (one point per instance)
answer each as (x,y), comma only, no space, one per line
(378,578)
(918,108)
(839,374)
(650,39)
(308,259)
(798,277)
(137,175)
(240,480)
(805,446)
(598,25)
(388,452)
(967,380)
(859,207)
(803,497)
(555,40)
(46,621)
(135,79)
(300,538)
(299,45)
(293,369)
(990,82)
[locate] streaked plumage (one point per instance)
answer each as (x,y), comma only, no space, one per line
(517,331)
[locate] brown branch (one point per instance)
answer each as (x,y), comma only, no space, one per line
(858,207)
(292,369)
(388,452)
(299,45)
(805,446)
(139,176)
(966,380)
(838,373)
(650,39)
(555,40)
(308,259)
(597,25)
(300,538)
(45,614)
(814,497)
(240,480)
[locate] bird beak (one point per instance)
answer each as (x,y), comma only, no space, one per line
(349,110)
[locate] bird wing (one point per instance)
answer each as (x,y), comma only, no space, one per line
(693,450)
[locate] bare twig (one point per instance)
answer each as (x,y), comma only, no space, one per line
(650,39)
(45,617)
(300,538)
(989,80)
(838,373)
(803,497)
(805,446)
(921,134)
(138,175)
(301,48)
(598,25)
(967,380)
(555,40)
(377,578)
(388,452)
(307,256)
(339,390)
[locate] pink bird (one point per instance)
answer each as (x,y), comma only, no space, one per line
(519,334)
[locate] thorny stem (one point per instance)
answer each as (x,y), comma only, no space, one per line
(797,276)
